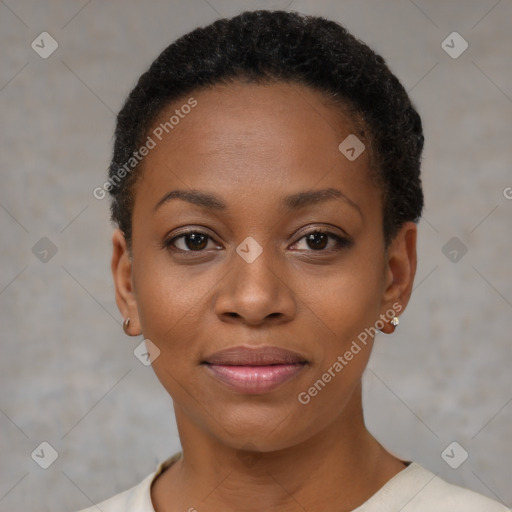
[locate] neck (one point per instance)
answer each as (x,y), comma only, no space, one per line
(343,464)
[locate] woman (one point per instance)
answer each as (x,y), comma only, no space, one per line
(265,185)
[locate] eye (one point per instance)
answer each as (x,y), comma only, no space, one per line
(319,240)
(190,241)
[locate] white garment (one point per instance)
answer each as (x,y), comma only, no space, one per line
(414,489)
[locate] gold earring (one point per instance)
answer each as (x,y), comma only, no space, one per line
(395,321)
(126,323)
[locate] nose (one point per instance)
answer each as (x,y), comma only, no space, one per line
(256,293)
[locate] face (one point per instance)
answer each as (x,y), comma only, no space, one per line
(251,228)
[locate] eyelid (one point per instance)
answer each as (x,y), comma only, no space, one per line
(192,229)
(327,229)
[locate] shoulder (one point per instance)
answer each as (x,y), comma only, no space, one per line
(136,499)
(417,489)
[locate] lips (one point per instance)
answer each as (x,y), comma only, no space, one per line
(254,370)
(255,356)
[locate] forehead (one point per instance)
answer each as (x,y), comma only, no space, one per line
(283,117)
(270,136)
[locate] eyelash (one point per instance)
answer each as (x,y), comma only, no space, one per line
(341,242)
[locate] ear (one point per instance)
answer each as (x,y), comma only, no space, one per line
(121,267)
(400,270)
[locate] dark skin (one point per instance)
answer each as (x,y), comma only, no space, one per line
(251,146)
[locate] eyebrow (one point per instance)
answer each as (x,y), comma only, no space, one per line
(309,197)
(195,197)
(293,202)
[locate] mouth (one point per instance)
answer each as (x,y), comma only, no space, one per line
(254,370)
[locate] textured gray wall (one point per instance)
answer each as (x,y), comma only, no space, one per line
(68,373)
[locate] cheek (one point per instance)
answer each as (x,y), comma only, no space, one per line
(170,304)
(346,299)
(167,296)
(169,307)
(346,307)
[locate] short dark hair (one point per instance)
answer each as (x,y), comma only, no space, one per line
(268,46)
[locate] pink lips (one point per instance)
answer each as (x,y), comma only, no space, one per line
(254,370)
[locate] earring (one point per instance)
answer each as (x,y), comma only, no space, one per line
(393,323)
(126,323)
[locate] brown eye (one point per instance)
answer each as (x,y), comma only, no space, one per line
(192,241)
(196,241)
(317,241)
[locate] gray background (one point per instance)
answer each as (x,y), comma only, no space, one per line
(68,373)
